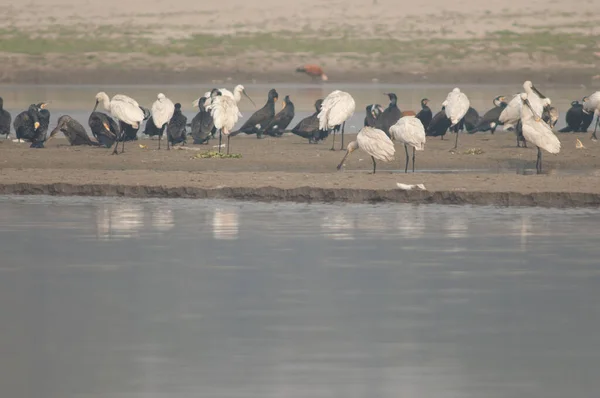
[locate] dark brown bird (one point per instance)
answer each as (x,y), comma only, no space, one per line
(314,71)
(73,131)
(261,118)
(309,126)
(279,123)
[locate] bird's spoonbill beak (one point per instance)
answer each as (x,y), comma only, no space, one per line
(247,96)
(53,133)
(95,106)
(348,152)
(535,90)
(536,117)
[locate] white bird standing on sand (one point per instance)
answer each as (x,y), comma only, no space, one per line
(456,106)
(336,108)
(511,115)
(375,143)
(236,95)
(536,131)
(410,131)
(123,108)
(225,114)
(162,112)
(593,105)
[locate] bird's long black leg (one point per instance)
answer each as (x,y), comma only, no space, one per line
(374,164)
(406,165)
(119,136)
(413,159)
(159,139)
(333,142)
(343,128)
(220,137)
(538,163)
(228,138)
(456,141)
(596,127)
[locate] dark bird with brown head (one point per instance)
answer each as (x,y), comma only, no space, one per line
(5,120)
(283,118)
(73,131)
(261,118)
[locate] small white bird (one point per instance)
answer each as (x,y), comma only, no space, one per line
(162,112)
(593,105)
(225,114)
(410,131)
(456,106)
(375,143)
(536,131)
(336,108)
(123,108)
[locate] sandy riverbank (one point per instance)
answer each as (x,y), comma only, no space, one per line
(290,169)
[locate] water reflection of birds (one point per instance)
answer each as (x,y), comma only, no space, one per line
(119,220)
(336,226)
(225,223)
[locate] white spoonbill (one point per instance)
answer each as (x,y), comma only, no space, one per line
(536,131)
(456,106)
(593,105)
(375,143)
(512,113)
(162,112)
(236,95)
(225,114)
(337,107)
(410,131)
(123,108)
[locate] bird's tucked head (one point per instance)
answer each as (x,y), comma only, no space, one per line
(160,96)
(215,93)
(456,90)
(585,99)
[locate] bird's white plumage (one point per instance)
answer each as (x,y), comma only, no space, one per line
(123,108)
(457,104)
(376,143)
(225,113)
(410,131)
(162,110)
(512,113)
(236,95)
(336,108)
(593,103)
(537,131)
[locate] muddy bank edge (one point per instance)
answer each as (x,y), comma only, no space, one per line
(311,194)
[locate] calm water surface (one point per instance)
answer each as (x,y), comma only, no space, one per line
(78,100)
(179,298)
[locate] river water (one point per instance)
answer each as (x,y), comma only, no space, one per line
(112,298)
(78,100)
